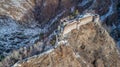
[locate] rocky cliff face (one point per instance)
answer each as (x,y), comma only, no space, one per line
(90,46)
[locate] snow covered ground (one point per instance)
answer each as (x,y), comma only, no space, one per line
(110,12)
(14,36)
(84,2)
(56,18)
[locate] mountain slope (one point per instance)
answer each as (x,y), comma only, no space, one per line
(27,27)
(88,46)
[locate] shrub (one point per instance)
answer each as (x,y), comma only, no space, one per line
(1,57)
(52,42)
(42,35)
(73,14)
(76,12)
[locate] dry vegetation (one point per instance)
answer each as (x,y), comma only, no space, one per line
(61,57)
(89,46)
(21,54)
(95,45)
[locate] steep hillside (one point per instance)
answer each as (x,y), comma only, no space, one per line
(46,10)
(90,46)
(31,27)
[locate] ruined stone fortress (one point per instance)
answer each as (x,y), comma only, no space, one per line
(80,21)
(69,26)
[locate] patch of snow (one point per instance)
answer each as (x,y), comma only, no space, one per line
(16,3)
(32,31)
(84,2)
(62,42)
(72,9)
(110,12)
(34,39)
(56,18)
(84,15)
(113,26)
(118,44)
(76,54)
(87,15)
(93,4)
(12,27)
(12,33)
(44,4)
(17,65)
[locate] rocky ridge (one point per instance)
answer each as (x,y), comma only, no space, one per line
(29,12)
(88,46)
(23,21)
